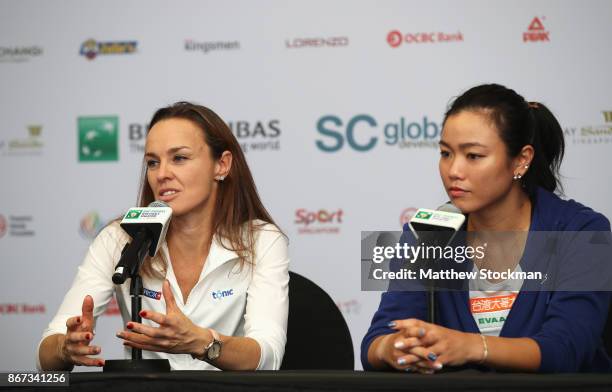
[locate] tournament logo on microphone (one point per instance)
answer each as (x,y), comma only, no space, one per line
(133,214)
(98,138)
(423,215)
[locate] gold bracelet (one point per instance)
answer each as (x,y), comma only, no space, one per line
(485,351)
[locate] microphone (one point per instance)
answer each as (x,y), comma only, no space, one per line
(147,226)
(436,228)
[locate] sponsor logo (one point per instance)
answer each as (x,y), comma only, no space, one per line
(90,225)
(253,136)
(406,215)
(16,226)
(350,307)
(403,133)
(257,135)
(536,31)
(2,226)
(492,304)
(591,134)
(91,48)
(152,294)
(19,54)
(21,308)
(112,309)
(210,46)
(395,38)
(133,214)
(30,145)
(316,42)
(423,215)
(222,293)
(318,222)
(98,138)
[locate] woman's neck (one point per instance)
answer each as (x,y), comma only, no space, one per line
(510,213)
(192,233)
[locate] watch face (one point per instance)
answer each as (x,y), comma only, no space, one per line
(214,351)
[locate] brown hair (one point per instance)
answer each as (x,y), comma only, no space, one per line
(238,203)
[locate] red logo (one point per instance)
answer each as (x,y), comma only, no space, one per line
(2,226)
(536,31)
(322,221)
(22,308)
(406,215)
(395,38)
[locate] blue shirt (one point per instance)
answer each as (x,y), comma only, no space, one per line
(567,326)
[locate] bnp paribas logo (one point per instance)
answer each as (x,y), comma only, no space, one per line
(98,138)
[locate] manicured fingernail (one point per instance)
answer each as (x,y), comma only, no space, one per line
(130,326)
(143,313)
(78,320)
(100,363)
(421,332)
(399,344)
(401,361)
(391,324)
(88,336)
(438,366)
(432,356)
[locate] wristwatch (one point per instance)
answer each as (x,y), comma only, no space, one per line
(212,350)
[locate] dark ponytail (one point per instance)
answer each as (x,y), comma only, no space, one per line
(520,123)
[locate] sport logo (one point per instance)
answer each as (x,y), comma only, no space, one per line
(536,32)
(222,293)
(98,138)
(423,215)
(151,294)
(133,214)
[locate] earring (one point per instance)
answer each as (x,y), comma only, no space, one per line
(517,177)
(220,178)
(526,166)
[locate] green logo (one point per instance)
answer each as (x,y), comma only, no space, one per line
(423,215)
(133,214)
(98,138)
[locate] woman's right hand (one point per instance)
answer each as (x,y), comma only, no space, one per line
(75,348)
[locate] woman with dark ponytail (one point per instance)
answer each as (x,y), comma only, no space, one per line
(499,162)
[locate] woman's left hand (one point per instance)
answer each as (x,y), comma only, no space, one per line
(439,345)
(176,333)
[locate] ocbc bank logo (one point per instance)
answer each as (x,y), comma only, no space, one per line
(396,38)
(402,133)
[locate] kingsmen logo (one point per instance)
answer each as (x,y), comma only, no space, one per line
(98,138)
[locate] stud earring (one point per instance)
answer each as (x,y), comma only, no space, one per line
(220,178)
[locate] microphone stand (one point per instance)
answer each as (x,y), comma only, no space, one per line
(136,364)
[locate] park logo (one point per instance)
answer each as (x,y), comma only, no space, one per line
(591,134)
(90,49)
(395,38)
(536,31)
(98,138)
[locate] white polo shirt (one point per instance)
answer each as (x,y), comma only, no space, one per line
(251,302)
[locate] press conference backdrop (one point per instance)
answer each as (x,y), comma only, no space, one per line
(337,104)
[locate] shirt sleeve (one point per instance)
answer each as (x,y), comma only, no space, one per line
(268,298)
(93,278)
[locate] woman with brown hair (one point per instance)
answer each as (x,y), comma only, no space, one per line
(217,290)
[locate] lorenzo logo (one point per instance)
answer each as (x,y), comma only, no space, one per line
(316,42)
(152,294)
(395,38)
(222,293)
(536,32)
(402,133)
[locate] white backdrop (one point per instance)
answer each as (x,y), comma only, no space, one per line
(294,74)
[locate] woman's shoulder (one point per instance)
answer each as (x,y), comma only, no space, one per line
(557,214)
(265,231)
(112,235)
